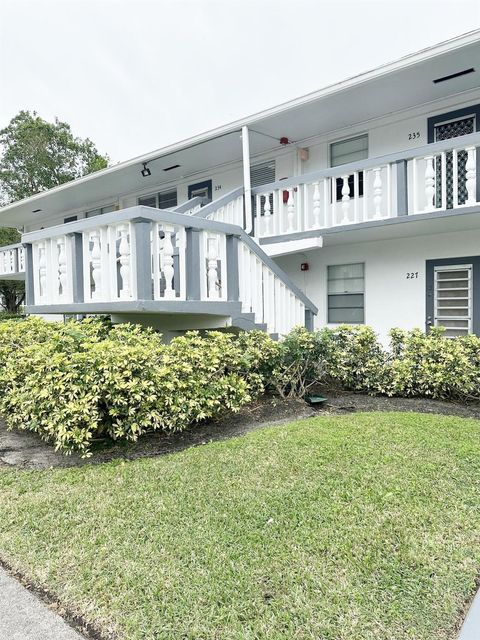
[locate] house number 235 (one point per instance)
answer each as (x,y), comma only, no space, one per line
(414,135)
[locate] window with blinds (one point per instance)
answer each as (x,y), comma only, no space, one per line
(345,151)
(162,200)
(100,210)
(453,299)
(260,174)
(346,293)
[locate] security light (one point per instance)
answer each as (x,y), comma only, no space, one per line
(146,171)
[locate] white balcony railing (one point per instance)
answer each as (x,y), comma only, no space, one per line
(142,254)
(436,177)
(12,260)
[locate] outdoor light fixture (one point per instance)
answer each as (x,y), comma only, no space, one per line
(146,171)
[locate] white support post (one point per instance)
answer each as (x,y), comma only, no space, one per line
(212,273)
(345,200)
(316,205)
(167,263)
(377,192)
(62,267)
(246,180)
(429,184)
(267,214)
(291,212)
(125,266)
(471,176)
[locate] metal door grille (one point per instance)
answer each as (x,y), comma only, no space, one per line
(445,131)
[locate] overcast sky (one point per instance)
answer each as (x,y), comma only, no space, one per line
(134,75)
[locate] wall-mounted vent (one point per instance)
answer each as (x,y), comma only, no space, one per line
(454,75)
(36,211)
(174,166)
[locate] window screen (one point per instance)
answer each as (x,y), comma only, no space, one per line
(260,174)
(163,200)
(345,151)
(148,201)
(346,291)
(98,212)
(167,199)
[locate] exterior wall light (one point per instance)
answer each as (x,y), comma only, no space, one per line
(146,171)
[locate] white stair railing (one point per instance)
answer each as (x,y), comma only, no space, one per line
(162,257)
(12,260)
(52,270)
(265,294)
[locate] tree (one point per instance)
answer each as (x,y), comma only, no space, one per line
(36,155)
(12,292)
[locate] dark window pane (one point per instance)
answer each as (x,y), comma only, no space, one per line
(353,301)
(345,316)
(167,199)
(339,186)
(148,201)
(346,308)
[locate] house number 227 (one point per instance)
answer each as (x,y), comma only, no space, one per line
(412,274)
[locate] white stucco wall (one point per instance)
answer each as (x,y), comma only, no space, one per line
(391,300)
(387,134)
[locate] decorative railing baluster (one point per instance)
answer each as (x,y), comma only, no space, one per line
(471,176)
(345,200)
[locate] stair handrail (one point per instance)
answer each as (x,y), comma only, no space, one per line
(211,207)
(140,213)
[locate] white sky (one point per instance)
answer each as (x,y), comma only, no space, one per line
(134,75)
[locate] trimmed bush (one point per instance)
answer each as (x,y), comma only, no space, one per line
(75,382)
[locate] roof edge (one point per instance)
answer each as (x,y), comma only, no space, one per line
(389,67)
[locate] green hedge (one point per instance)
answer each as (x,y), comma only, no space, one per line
(74,382)
(352,358)
(78,381)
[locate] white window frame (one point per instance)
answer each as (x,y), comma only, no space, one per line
(156,195)
(346,264)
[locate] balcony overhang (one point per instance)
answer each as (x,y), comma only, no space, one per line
(390,88)
(422,224)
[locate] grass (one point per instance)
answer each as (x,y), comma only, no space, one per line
(357,527)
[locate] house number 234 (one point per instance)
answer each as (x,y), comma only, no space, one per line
(412,274)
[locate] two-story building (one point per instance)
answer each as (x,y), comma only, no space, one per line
(359,203)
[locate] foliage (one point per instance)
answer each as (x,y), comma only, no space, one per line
(358,527)
(38,155)
(435,366)
(354,359)
(78,381)
(300,363)
(12,292)
(74,382)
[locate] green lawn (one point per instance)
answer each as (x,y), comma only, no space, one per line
(357,527)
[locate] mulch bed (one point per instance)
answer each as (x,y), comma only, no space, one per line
(23,449)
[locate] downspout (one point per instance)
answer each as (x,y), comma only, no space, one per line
(246,180)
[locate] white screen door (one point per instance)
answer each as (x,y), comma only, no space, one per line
(453,299)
